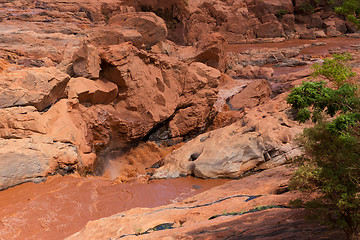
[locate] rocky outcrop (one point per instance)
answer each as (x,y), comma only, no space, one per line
(242,21)
(151,27)
(262,140)
(260,57)
(153,89)
(92,91)
(32,159)
(123,95)
(38,87)
(252,95)
(250,72)
(86,62)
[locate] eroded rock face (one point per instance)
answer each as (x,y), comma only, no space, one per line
(239,21)
(32,159)
(86,62)
(20,122)
(255,93)
(92,91)
(152,88)
(151,27)
(262,140)
(38,87)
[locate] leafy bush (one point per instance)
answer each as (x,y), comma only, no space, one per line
(348,8)
(281,13)
(331,167)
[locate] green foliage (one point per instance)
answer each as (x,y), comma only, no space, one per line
(281,13)
(312,99)
(335,69)
(306,8)
(332,172)
(348,8)
(331,166)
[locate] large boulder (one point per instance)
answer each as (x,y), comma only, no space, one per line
(254,93)
(86,62)
(262,8)
(92,91)
(114,35)
(269,30)
(20,122)
(262,140)
(38,87)
(211,50)
(151,27)
(32,159)
(152,88)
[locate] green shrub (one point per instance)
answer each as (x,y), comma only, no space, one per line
(348,8)
(281,13)
(331,166)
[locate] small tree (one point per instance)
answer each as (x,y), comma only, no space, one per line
(331,165)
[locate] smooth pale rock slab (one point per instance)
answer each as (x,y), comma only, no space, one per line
(38,87)
(95,92)
(261,141)
(31,159)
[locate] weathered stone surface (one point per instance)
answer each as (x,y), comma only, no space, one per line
(20,122)
(86,62)
(39,87)
(260,57)
(320,34)
(288,21)
(65,122)
(251,72)
(211,51)
(291,62)
(262,8)
(92,91)
(151,27)
(269,30)
(31,159)
(196,109)
(261,140)
(308,34)
(254,93)
(150,93)
(114,35)
(332,32)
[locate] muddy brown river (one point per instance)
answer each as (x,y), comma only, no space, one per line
(62,206)
(316,51)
